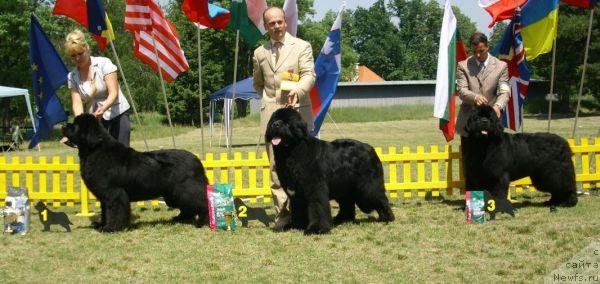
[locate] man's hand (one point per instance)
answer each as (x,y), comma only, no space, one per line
(292,98)
(497,110)
(480,100)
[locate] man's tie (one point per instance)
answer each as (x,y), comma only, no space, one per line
(277,51)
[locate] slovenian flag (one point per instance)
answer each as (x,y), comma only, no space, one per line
(451,51)
(327,68)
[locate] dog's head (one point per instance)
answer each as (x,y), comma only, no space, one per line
(286,128)
(40,206)
(237,202)
(484,123)
(85,131)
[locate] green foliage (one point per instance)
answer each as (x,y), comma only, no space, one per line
(570,46)
(400,41)
(397,39)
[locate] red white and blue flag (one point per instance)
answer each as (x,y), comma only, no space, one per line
(148,25)
(511,50)
(500,10)
(207,14)
(327,68)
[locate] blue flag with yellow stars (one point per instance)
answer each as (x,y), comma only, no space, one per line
(49,73)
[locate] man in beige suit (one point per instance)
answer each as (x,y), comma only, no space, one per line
(481,79)
(282,53)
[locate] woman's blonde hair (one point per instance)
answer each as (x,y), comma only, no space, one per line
(76,42)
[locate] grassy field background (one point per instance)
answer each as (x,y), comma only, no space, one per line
(428,242)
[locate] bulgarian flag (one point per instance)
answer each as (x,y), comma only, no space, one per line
(452,50)
(247,17)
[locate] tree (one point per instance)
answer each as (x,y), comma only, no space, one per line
(571,39)
(374,37)
(14,49)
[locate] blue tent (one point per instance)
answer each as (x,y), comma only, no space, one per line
(243,90)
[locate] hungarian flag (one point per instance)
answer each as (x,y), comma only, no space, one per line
(451,51)
(511,50)
(208,15)
(327,68)
(291,16)
(586,4)
(500,10)
(247,17)
(89,14)
(149,26)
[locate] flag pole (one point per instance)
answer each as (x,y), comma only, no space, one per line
(137,115)
(200,89)
(585,57)
(162,84)
(231,114)
(551,95)
(522,108)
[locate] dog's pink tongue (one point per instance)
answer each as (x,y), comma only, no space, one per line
(64,140)
(275,141)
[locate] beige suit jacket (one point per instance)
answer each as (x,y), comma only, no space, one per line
(470,82)
(295,55)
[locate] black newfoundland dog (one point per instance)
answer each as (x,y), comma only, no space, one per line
(118,175)
(492,159)
(313,172)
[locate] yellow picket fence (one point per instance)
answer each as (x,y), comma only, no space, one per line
(408,173)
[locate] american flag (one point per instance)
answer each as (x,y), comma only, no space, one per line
(510,49)
(145,19)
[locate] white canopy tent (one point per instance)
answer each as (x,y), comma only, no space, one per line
(6,92)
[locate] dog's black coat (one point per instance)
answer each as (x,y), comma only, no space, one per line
(52,218)
(118,175)
(493,158)
(313,171)
(249,213)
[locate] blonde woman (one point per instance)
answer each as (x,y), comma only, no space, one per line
(94,87)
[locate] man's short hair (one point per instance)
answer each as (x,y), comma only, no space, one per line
(478,38)
(270,8)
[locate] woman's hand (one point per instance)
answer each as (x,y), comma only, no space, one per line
(100,111)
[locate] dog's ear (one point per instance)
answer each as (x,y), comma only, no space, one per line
(298,125)
(91,132)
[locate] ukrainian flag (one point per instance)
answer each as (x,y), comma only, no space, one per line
(539,26)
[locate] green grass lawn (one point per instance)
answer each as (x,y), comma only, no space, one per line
(429,241)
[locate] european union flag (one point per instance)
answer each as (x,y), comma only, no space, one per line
(49,73)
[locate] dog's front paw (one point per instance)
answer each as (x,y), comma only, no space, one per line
(96,225)
(317,229)
(110,229)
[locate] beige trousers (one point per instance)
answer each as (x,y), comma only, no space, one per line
(280,198)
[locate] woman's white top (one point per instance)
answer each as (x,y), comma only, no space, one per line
(101,66)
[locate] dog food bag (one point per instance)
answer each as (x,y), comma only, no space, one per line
(475,209)
(221,209)
(16,211)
